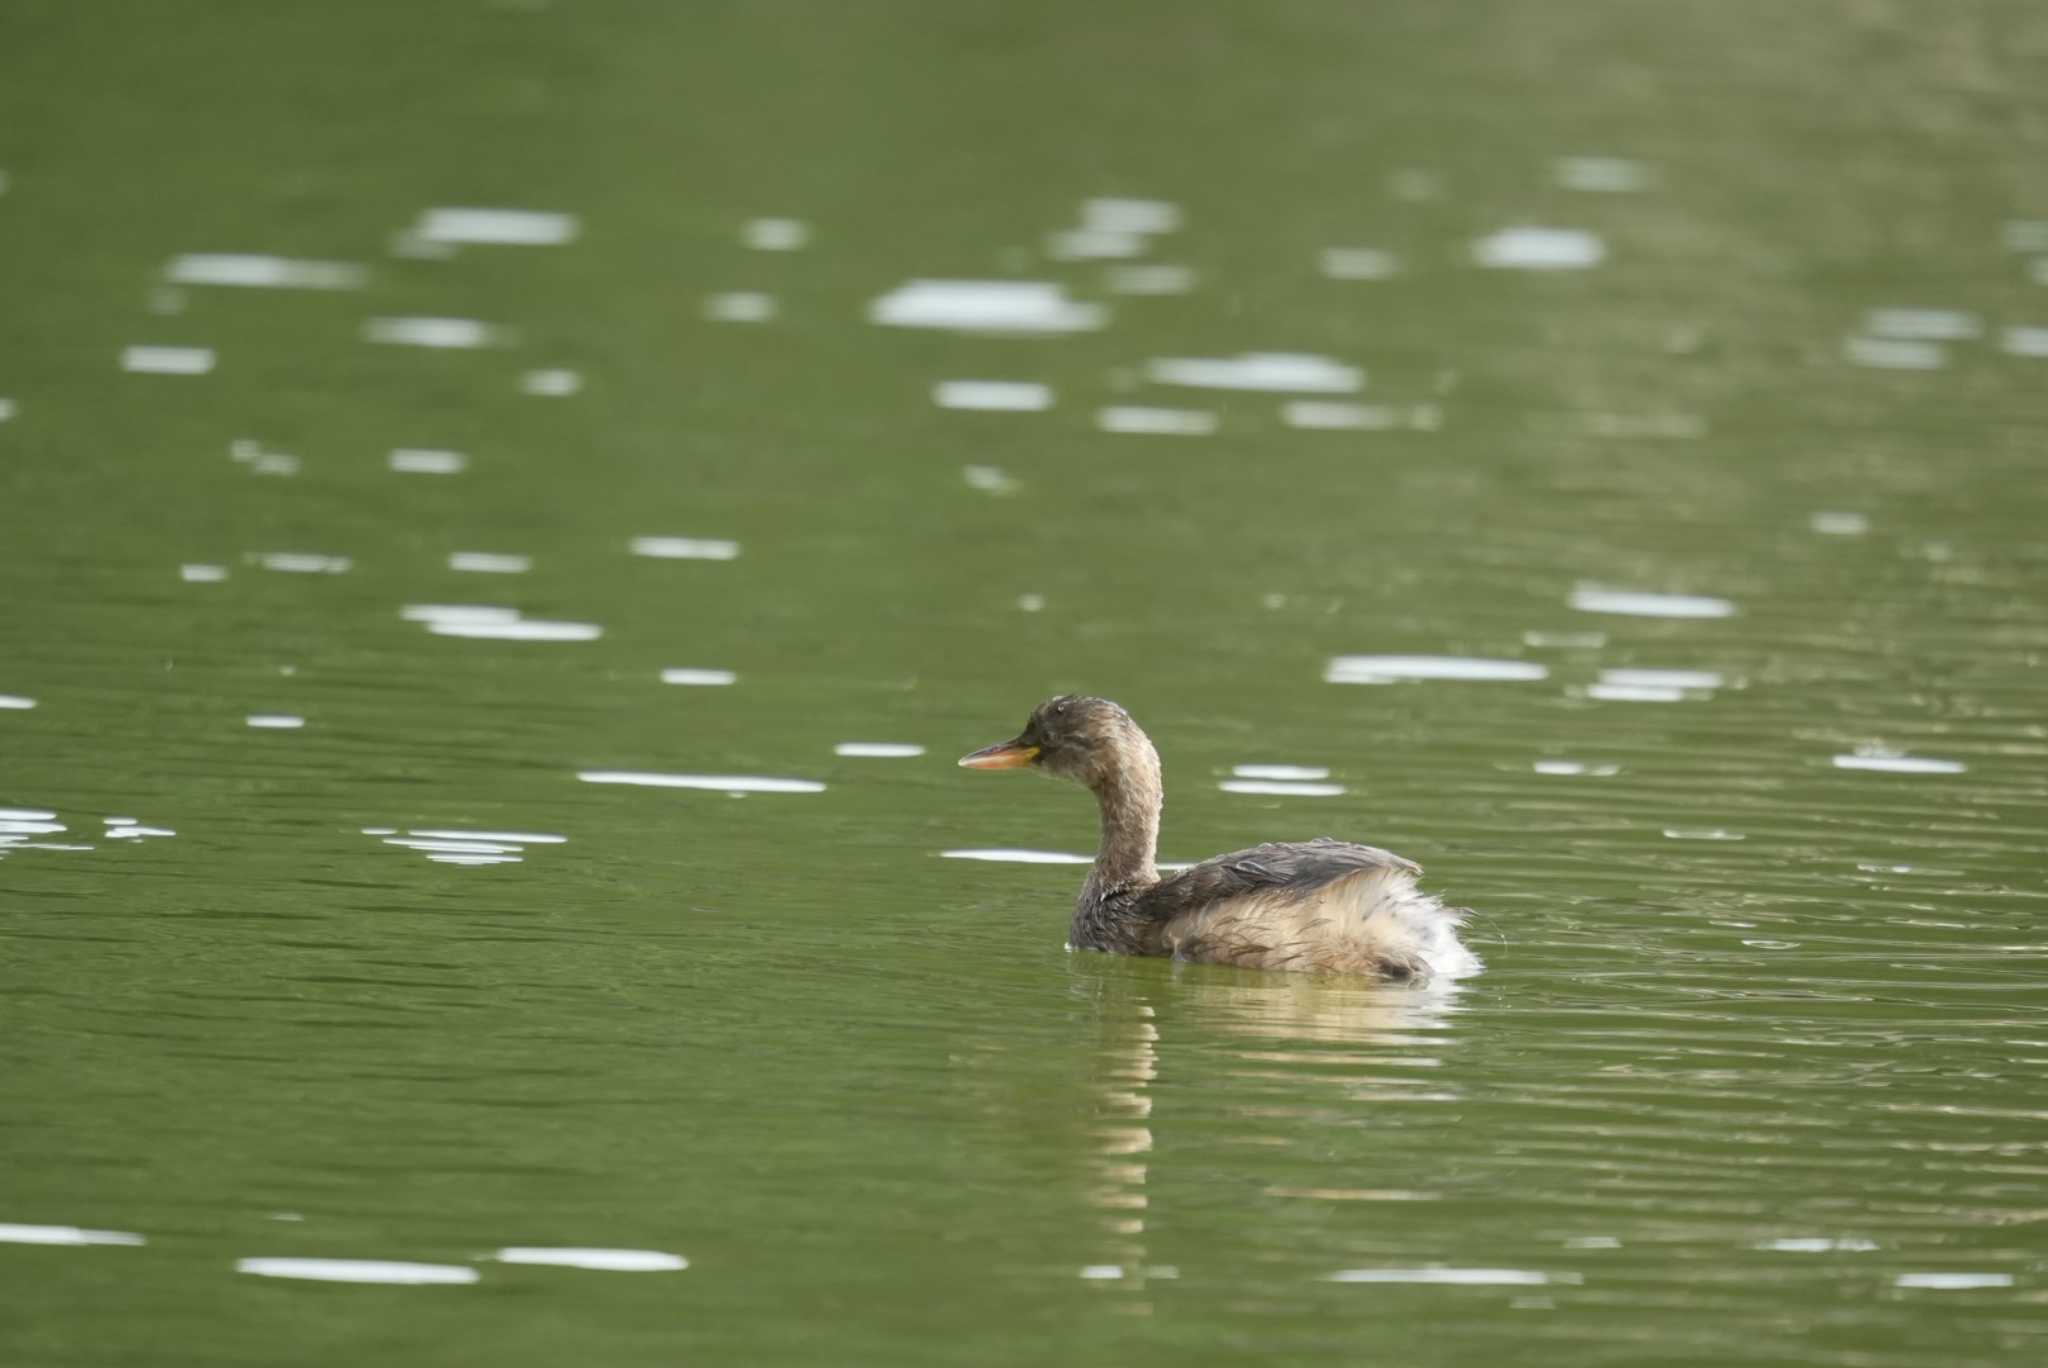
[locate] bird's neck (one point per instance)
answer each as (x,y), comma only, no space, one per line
(1130,797)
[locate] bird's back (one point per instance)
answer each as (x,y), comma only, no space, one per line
(1322,906)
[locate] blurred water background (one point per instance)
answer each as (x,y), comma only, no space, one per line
(509,510)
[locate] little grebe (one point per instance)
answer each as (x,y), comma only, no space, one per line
(1322,906)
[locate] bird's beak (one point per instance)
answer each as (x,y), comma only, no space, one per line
(1003,755)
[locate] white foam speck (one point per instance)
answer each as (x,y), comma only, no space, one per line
(1466,1277)
(1540,249)
(1275,372)
(66,1235)
(137,832)
(304,562)
(1952,1282)
(685,548)
(1900,764)
(458,858)
(1839,524)
(422,461)
(997,306)
(2032,342)
(551,383)
(1007,856)
(1377,669)
(275,721)
(1359,263)
(1702,834)
(431,332)
(1603,175)
(7,409)
(356,1271)
(16,702)
(1286,772)
(604,1260)
(878,750)
(719,783)
(1031,603)
(457,612)
(1589,598)
(497,227)
(434,845)
(1009,396)
(1102,1272)
(1925,325)
(740,306)
(1893,353)
(1164,422)
(453,834)
(489,563)
(1565,640)
(1322,414)
(150,360)
(1150,279)
(1281,789)
(252,271)
(776,234)
(707,678)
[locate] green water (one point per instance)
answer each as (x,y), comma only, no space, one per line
(1755,1072)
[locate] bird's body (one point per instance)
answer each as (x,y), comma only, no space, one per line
(1320,906)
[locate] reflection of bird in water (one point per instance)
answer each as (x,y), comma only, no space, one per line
(1323,906)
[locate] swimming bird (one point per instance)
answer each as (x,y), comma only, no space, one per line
(1320,906)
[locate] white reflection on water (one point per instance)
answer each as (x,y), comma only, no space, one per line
(8,814)
(703,678)
(1322,414)
(1163,422)
(1588,598)
(1570,767)
(65,1235)
(1003,855)
(740,306)
(497,227)
(990,479)
(997,306)
(491,622)
(1926,325)
(424,461)
(1150,279)
(776,234)
(1702,834)
(1603,175)
(450,845)
(1463,1277)
(432,332)
(1293,772)
(685,548)
(1127,214)
(1010,396)
(275,721)
(1377,669)
(718,783)
(1540,249)
(1359,263)
(2026,341)
(878,750)
(16,702)
(1276,372)
(1817,1244)
(1660,679)
(1839,524)
(1888,762)
(157,360)
(1953,1282)
(2026,235)
(489,562)
(1281,788)
(551,383)
(303,562)
(31,826)
(605,1260)
(357,1271)
(253,271)
(7,409)
(1094,244)
(1892,353)
(247,451)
